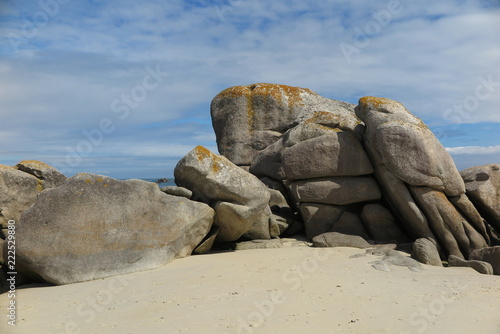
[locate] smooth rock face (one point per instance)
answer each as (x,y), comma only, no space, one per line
(381,224)
(240,200)
(336,154)
(350,223)
(334,239)
(425,251)
(94,226)
(177,191)
(480,266)
(51,177)
(454,232)
(319,218)
(407,147)
(419,177)
(490,255)
(247,119)
(18,190)
(336,190)
(483,189)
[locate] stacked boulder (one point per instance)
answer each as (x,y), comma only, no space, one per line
(419,178)
(372,170)
(308,147)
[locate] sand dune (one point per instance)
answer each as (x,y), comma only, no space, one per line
(287,290)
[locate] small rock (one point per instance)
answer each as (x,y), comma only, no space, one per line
(177,191)
(480,266)
(490,255)
(425,251)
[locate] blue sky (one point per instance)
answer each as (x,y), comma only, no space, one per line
(123,88)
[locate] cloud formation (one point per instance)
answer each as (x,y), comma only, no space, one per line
(64,64)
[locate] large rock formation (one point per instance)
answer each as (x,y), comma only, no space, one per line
(94,226)
(483,188)
(312,147)
(419,177)
(240,200)
(247,119)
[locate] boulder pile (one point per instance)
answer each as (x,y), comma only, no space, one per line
(291,162)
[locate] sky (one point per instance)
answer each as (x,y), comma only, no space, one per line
(123,88)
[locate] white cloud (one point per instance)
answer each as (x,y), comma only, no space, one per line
(474,150)
(63,80)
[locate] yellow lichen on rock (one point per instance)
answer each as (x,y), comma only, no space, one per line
(34,164)
(292,95)
(375,102)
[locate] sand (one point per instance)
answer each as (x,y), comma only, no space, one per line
(287,290)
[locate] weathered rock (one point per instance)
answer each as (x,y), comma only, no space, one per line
(337,154)
(425,251)
(240,200)
(206,244)
(51,177)
(18,190)
(490,255)
(483,189)
(268,163)
(407,147)
(247,119)
(350,223)
(479,266)
(177,191)
(334,239)
(336,190)
(455,233)
(405,154)
(95,226)
(381,224)
(320,218)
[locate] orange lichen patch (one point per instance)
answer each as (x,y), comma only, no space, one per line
(39,185)
(293,95)
(106,185)
(100,179)
(375,102)
(203,153)
(235,91)
(88,181)
(34,164)
(278,92)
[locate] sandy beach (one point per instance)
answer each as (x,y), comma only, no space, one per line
(292,290)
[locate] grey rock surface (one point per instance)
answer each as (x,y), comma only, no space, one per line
(247,119)
(483,189)
(240,199)
(480,266)
(94,226)
(425,251)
